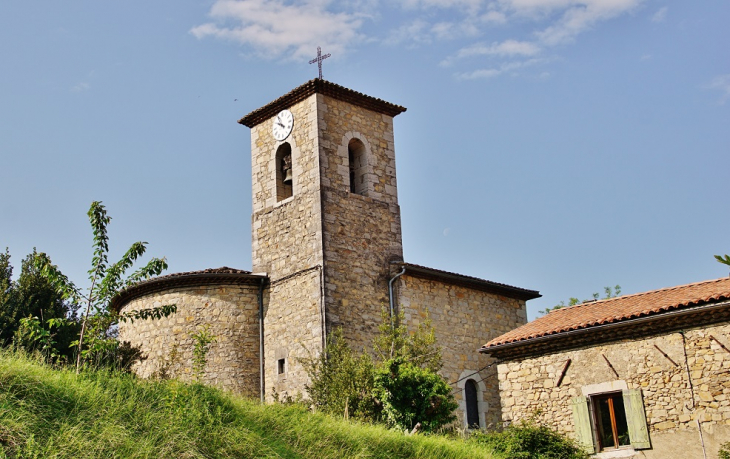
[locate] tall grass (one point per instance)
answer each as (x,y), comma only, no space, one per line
(51,413)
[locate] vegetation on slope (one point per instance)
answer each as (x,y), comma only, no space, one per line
(47,413)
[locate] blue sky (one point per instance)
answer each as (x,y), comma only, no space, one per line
(556,145)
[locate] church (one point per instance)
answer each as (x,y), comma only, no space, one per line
(327,253)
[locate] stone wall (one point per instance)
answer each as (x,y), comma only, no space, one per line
(362,233)
(287,235)
(232,313)
(292,331)
(464,319)
(287,246)
(528,387)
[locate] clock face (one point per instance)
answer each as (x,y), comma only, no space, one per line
(283,124)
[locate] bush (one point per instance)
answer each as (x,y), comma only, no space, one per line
(341,384)
(399,386)
(413,395)
(528,440)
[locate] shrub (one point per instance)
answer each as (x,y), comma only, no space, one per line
(528,440)
(411,395)
(724,452)
(341,383)
(399,386)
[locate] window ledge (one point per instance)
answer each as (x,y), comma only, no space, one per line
(616,454)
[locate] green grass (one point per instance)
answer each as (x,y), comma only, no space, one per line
(49,413)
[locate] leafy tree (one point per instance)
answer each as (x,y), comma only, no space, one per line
(32,296)
(419,348)
(572,301)
(97,337)
(7,300)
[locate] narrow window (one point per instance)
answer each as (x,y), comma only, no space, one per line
(357,166)
(281,366)
(284,173)
(609,415)
(472,404)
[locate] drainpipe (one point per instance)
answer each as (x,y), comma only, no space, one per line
(261,338)
(390,295)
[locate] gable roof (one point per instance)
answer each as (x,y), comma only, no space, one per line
(318,86)
(623,309)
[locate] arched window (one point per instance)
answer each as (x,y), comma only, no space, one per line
(357,163)
(284,173)
(472,404)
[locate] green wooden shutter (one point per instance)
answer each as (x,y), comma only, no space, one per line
(636,418)
(582,421)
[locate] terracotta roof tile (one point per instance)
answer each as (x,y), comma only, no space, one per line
(612,310)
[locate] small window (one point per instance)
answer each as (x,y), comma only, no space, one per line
(611,420)
(284,172)
(281,366)
(612,430)
(472,404)
(357,165)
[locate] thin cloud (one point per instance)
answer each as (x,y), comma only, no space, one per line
(579,16)
(481,74)
(507,67)
(507,48)
(416,31)
(660,15)
(294,28)
(83,86)
(721,83)
(273,28)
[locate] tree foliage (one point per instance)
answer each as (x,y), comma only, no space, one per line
(412,395)
(96,341)
(528,440)
(397,384)
(32,298)
(724,260)
(609,292)
(341,383)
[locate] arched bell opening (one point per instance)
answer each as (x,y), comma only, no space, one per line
(284,172)
(356,155)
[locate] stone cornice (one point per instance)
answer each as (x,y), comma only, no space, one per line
(193,279)
(468,282)
(317,86)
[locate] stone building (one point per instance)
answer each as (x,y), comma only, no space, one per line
(326,253)
(637,376)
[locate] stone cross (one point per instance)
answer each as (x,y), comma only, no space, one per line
(319,60)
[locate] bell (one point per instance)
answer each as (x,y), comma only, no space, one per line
(287,176)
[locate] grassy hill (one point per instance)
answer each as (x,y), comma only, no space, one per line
(47,413)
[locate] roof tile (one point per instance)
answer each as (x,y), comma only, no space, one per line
(611,310)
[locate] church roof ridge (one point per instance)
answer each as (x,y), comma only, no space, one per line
(327,88)
(222,275)
(469,281)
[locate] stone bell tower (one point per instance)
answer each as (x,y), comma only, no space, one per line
(326,221)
